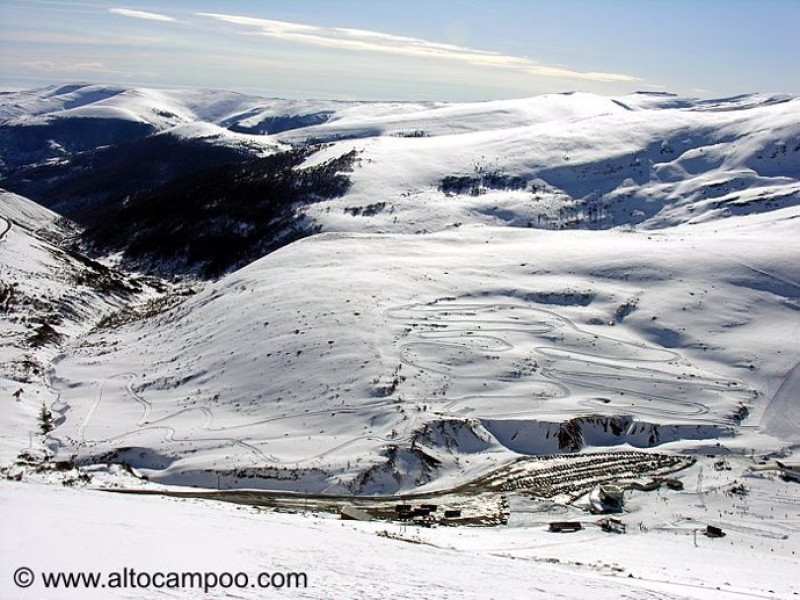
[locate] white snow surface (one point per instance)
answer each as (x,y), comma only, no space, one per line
(47,528)
(27,214)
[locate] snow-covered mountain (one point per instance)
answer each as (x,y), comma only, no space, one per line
(460,349)
(522,277)
(554,161)
(492,306)
(55,122)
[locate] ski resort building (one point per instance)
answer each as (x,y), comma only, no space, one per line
(606,499)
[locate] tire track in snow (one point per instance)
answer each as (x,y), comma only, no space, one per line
(144,425)
(469,332)
(95,403)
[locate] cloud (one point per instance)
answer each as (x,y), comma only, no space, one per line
(139,14)
(49,66)
(587,76)
(44,37)
(373,41)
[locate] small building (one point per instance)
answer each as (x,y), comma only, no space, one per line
(351,513)
(714,532)
(606,499)
(452,514)
(565,526)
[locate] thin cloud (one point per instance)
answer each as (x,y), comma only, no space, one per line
(586,76)
(140,14)
(44,37)
(374,41)
(49,66)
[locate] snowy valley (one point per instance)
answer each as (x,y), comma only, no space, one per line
(493,307)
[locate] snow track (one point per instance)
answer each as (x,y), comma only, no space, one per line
(176,421)
(501,342)
(144,425)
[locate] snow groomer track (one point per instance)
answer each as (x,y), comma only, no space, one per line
(535,359)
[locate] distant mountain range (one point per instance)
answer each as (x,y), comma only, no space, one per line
(553,162)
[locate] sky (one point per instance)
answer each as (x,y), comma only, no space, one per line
(449,50)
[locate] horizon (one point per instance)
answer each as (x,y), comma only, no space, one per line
(461,51)
(255,93)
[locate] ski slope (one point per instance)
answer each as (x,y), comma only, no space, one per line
(317,357)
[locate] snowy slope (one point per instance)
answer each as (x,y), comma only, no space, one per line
(676,336)
(48,296)
(154,107)
(583,161)
(29,215)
